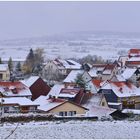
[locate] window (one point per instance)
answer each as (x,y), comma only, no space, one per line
(6,109)
(65,113)
(61,114)
(0,76)
(103,103)
(72,113)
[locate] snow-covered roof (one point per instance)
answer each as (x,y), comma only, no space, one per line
(128,72)
(134,52)
(65,95)
(94,100)
(74,65)
(107,72)
(120,78)
(93,73)
(28,82)
(50,103)
(105,85)
(22,101)
(14,89)
(46,104)
(134,111)
(111,103)
(67,64)
(73,75)
(108,69)
(3,67)
(99,110)
(69,93)
(122,89)
(55,90)
(134,59)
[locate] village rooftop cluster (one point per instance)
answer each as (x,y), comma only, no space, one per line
(84,89)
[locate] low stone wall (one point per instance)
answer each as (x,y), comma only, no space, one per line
(43,118)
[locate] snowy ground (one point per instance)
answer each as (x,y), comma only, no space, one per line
(108,46)
(73,129)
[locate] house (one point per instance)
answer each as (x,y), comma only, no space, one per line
(89,75)
(86,66)
(99,111)
(122,60)
(97,100)
(59,107)
(14,89)
(4,72)
(105,71)
(17,105)
(118,78)
(132,74)
(109,71)
(133,62)
(134,53)
(98,106)
(37,86)
(62,67)
(70,80)
(55,90)
(15,61)
(121,92)
(93,86)
(99,68)
(73,94)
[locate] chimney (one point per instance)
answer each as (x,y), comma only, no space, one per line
(121,90)
(50,96)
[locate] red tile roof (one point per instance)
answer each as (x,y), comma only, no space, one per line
(110,66)
(16,88)
(99,65)
(133,63)
(122,83)
(57,100)
(96,82)
(70,91)
(9,84)
(135,51)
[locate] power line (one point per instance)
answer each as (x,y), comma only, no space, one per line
(12,131)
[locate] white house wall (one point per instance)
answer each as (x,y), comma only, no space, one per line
(86,77)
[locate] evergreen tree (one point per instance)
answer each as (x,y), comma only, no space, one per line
(30,56)
(18,66)
(10,64)
(80,81)
(34,61)
(29,63)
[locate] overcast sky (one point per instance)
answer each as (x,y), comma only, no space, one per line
(27,19)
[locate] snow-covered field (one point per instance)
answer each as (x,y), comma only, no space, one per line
(75,45)
(73,129)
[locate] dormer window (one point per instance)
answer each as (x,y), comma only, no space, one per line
(14,91)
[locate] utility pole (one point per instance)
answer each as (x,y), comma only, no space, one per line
(1,111)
